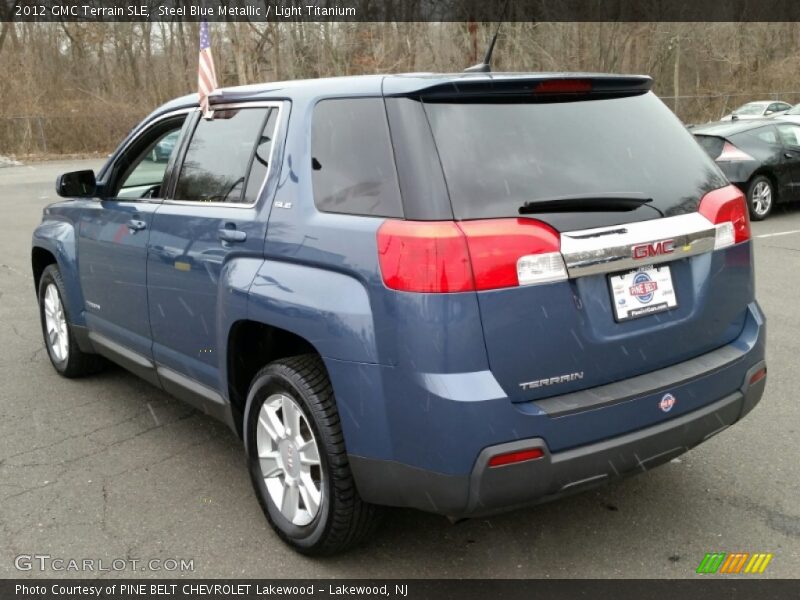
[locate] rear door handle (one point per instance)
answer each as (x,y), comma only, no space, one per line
(231,235)
(788,154)
(136,225)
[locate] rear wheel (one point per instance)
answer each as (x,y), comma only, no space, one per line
(760,197)
(298,462)
(59,338)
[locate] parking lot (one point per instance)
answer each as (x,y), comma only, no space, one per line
(112,468)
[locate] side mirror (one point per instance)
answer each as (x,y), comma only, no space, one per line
(768,113)
(76,184)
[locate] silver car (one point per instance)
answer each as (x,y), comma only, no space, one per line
(758,110)
(792,115)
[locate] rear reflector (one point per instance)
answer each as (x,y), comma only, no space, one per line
(727,209)
(445,256)
(731,153)
(758,375)
(515,457)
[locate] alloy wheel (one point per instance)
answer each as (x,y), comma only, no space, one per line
(56,324)
(761,198)
(288,457)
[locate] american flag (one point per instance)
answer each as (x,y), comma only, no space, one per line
(206,76)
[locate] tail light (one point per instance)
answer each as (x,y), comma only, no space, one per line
(727,209)
(731,153)
(446,256)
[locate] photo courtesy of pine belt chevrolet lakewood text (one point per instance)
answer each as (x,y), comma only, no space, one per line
(459,293)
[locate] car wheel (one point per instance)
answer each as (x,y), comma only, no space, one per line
(59,339)
(297,458)
(760,197)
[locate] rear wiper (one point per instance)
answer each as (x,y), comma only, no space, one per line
(618,201)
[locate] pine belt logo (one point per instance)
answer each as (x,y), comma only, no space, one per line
(734,563)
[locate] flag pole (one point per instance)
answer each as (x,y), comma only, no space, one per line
(206,74)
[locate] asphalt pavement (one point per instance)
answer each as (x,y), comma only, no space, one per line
(110,468)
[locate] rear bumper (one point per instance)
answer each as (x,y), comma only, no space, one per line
(488,490)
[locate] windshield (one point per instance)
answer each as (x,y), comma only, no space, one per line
(498,157)
(754,108)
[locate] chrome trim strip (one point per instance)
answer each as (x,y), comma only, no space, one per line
(610,249)
(648,384)
(278,129)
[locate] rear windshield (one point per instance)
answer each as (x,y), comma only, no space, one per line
(711,144)
(750,109)
(498,156)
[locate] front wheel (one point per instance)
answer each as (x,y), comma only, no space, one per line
(67,358)
(297,458)
(760,197)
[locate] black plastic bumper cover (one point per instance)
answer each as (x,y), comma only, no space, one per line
(489,490)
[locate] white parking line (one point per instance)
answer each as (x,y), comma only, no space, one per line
(768,235)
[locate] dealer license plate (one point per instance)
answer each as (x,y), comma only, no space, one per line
(641,292)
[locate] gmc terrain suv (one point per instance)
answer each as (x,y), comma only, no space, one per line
(459,293)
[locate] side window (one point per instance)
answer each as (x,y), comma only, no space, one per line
(352,163)
(790,134)
(766,134)
(219,155)
(261,159)
(142,171)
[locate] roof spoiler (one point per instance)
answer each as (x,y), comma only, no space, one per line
(555,87)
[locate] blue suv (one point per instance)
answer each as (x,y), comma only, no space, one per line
(458,293)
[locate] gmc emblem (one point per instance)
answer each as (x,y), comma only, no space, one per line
(654,249)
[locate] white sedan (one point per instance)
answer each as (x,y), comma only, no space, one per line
(793,115)
(758,110)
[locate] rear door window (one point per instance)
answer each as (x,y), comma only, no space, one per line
(219,156)
(352,165)
(499,156)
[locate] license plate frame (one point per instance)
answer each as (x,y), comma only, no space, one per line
(641,292)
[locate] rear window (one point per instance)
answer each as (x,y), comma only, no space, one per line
(711,144)
(352,164)
(750,109)
(498,156)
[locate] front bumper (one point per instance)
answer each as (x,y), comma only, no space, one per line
(493,489)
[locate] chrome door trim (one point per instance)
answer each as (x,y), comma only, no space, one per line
(610,249)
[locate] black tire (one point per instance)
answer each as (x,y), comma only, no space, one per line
(76,363)
(343,520)
(756,184)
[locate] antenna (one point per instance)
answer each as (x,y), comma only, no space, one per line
(486,65)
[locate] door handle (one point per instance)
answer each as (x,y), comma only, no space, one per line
(788,155)
(136,225)
(231,235)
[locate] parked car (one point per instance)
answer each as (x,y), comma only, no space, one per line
(761,157)
(458,293)
(758,110)
(164,147)
(792,115)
